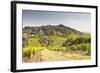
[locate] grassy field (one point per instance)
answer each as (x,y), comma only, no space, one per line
(46,55)
(55,44)
(34,52)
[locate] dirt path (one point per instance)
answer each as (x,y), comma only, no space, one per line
(47,55)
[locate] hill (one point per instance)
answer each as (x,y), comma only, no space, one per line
(59,30)
(55,43)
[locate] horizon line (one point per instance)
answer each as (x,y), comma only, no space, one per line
(55,25)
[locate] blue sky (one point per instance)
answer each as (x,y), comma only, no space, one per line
(78,21)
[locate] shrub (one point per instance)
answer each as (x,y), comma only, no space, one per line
(27,52)
(62,49)
(37,49)
(73,47)
(69,42)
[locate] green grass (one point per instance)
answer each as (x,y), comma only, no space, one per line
(57,40)
(34,42)
(28,51)
(34,46)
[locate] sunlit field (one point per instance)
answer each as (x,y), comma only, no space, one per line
(55,43)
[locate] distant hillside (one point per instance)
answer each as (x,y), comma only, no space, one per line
(59,30)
